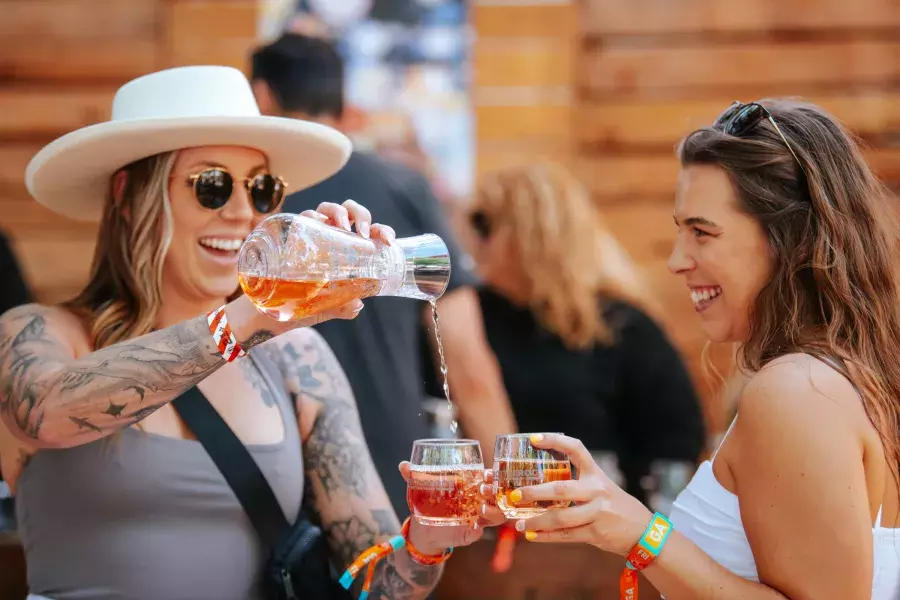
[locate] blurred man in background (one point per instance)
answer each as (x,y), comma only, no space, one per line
(303,77)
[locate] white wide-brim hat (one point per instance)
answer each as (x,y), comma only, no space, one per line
(169,110)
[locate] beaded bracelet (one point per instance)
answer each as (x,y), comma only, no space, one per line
(643,553)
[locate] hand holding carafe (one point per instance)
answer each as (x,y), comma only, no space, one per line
(294,267)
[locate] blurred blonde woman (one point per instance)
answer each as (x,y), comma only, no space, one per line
(566,313)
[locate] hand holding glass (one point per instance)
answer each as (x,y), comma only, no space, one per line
(517,463)
(444,487)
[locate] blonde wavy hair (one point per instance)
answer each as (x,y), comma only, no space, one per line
(124,290)
(569,256)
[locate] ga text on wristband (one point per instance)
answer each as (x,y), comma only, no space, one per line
(643,553)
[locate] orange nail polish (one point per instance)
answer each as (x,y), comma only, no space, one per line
(536,438)
(530,536)
(515,496)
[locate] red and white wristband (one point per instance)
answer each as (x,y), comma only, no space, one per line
(221,331)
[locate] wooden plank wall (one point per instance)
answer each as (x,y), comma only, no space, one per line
(651,70)
(524,76)
(644,72)
(60,64)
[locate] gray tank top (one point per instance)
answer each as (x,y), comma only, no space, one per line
(149,517)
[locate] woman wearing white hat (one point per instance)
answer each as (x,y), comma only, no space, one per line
(178,177)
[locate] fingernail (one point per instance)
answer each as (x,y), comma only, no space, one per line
(358,305)
(346,223)
(536,438)
(364,230)
(530,536)
(515,496)
(483,509)
(482,489)
(520,525)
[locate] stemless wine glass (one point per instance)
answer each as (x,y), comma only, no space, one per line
(444,486)
(518,464)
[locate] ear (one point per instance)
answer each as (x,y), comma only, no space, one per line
(265,98)
(119,180)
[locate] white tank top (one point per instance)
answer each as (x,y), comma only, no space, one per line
(710,516)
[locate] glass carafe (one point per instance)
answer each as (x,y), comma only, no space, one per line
(292,267)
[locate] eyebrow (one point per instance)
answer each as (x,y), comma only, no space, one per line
(696,221)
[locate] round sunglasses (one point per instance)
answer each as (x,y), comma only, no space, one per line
(213,188)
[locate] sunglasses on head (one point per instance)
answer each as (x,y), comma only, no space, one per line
(213,188)
(740,118)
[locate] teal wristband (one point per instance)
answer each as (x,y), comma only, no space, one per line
(650,545)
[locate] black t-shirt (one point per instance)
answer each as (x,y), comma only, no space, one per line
(379,349)
(634,397)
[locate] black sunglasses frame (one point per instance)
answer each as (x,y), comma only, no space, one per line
(272,186)
(739,118)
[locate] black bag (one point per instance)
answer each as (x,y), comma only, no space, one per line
(297,567)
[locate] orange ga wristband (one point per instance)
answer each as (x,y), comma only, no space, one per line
(643,553)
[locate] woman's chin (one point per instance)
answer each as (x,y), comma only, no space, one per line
(221,288)
(718,332)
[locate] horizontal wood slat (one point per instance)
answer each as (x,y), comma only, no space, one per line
(45,112)
(603,17)
(653,177)
(55,266)
(525,20)
(529,122)
(220,32)
(738,69)
(14,158)
(97,40)
(24,216)
(528,63)
(659,125)
(501,155)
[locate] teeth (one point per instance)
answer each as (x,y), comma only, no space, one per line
(702,295)
(222,244)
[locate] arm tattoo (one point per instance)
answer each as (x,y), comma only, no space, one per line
(347,493)
(55,400)
(257,338)
(335,450)
(398,576)
(257,382)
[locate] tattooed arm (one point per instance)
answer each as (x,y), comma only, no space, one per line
(347,493)
(54,392)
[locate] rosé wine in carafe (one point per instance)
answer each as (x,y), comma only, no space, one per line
(292,267)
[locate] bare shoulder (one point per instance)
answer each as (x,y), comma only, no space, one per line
(32,337)
(798,385)
(797,401)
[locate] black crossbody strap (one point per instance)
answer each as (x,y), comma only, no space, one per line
(236,465)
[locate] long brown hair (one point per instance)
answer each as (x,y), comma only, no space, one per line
(833,292)
(124,291)
(566,252)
